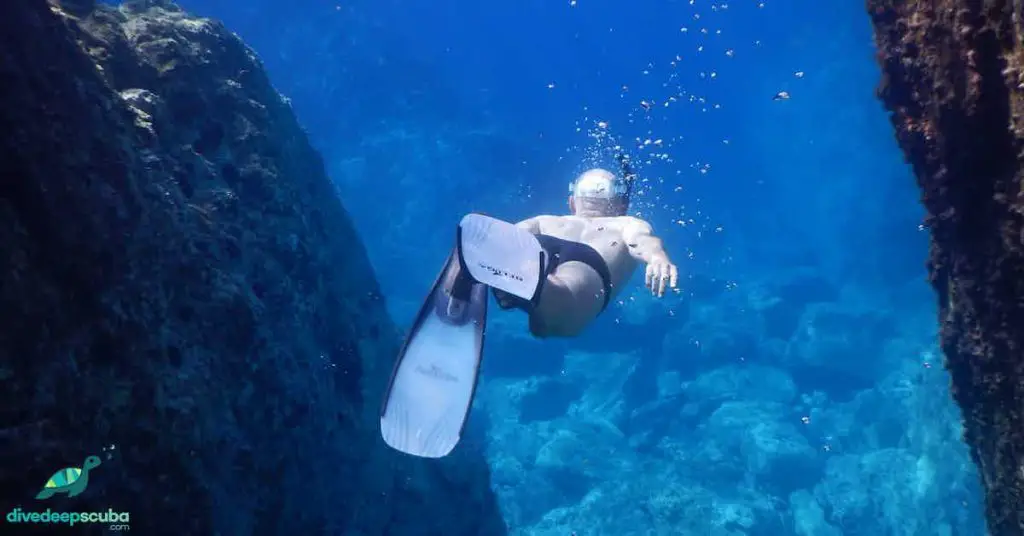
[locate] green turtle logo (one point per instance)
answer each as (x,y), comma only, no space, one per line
(70,480)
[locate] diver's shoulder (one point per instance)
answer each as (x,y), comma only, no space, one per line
(629,221)
(562,218)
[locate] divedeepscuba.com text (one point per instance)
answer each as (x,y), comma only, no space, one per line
(117,520)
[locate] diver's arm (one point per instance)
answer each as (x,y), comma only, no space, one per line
(643,245)
(647,248)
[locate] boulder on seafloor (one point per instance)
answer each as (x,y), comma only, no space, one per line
(754,383)
(761,443)
(839,348)
(181,282)
(858,490)
(786,297)
(664,503)
(715,334)
(808,516)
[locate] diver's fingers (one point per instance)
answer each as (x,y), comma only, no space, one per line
(662,279)
(674,274)
(649,277)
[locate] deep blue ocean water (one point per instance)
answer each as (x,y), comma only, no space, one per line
(791,386)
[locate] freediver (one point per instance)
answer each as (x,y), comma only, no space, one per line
(593,251)
(561,270)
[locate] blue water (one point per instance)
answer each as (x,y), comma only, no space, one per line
(792,386)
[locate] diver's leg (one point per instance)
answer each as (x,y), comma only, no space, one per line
(570,299)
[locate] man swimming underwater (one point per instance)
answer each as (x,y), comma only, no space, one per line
(595,251)
(562,270)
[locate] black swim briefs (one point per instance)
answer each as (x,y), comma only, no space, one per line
(560,250)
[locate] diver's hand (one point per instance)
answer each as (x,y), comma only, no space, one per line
(661,274)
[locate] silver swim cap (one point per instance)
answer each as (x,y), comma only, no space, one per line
(598,192)
(599,184)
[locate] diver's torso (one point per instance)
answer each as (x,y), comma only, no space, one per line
(602,234)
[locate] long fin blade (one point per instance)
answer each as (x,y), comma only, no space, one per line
(435,378)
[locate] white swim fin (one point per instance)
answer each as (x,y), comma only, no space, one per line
(501,255)
(428,400)
(435,376)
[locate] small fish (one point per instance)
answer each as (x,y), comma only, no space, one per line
(782,95)
(645,105)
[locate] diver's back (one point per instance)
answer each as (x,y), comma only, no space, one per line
(603,234)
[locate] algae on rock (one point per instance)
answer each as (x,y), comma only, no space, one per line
(952,80)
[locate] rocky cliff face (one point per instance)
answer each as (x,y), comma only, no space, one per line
(178,279)
(953,80)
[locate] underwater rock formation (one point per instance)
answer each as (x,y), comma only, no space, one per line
(952,78)
(180,281)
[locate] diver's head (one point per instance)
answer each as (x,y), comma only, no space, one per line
(598,192)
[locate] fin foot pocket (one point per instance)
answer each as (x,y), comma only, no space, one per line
(510,301)
(452,301)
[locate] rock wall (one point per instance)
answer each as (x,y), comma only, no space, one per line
(180,281)
(953,82)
